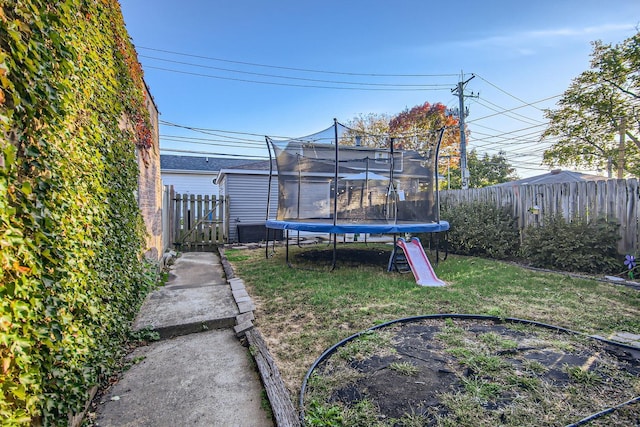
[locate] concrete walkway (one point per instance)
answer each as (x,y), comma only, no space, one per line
(199,374)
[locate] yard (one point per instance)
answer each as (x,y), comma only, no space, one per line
(301,312)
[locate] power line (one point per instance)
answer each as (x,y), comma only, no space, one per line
(211,76)
(509,94)
(230,141)
(243,141)
(502,135)
(306,70)
(520,151)
(514,108)
(211,153)
(518,140)
(213,143)
(215,132)
(411,85)
(539,168)
(209,131)
(225,139)
(515,116)
(515,147)
(525,139)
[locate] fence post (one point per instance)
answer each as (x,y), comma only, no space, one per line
(632,213)
(177,218)
(621,215)
(220,223)
(184,225)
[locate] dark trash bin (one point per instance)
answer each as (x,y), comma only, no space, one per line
(256,232)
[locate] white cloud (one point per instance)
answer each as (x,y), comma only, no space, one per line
(577,32)
(526,42)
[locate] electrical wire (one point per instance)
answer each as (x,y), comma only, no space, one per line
(211,76)
(411,85)
(524,137)
(507,93)
(232,144)
(486,140)
(213,154)
(503,139)
(516,116)
(209,130)
(514,108)
(516,131)
(306,70)
(225,139)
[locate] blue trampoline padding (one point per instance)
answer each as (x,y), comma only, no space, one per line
(374,228)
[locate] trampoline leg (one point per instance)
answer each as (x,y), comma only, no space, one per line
(446,245)
(335,252)
(286,257)
(434,242)
(393,256)
(273,244)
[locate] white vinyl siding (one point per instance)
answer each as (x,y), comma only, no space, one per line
(248,199)
(200,182)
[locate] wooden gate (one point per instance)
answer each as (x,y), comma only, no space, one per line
(196,221)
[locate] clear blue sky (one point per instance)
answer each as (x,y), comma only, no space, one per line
(204,61)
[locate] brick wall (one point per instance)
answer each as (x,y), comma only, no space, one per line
(150,188)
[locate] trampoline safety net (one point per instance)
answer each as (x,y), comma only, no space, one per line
(341,176)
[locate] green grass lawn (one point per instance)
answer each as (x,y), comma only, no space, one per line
(303,312)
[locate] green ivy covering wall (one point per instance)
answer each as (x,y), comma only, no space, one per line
(71,276)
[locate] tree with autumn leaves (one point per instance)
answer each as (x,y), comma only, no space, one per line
(416,129)
(419,128)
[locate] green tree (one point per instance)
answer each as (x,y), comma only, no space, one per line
(372,128)
(484,171)
(597,122)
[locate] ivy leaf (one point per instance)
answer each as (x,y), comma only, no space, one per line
(9,153)
(20,268)
(26,188)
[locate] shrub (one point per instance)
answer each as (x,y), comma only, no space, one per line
(482,229)
(576,245)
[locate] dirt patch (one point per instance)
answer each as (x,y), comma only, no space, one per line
(345,257)
(445,372)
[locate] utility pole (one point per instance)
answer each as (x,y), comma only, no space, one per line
(459,90)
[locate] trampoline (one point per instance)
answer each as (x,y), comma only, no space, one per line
(370,228)
(341,181)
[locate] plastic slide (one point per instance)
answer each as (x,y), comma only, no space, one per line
(419,263)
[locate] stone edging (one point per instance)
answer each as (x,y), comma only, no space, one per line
(283,410)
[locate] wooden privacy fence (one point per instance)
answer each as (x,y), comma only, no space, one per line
(614,199)
(195,220)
